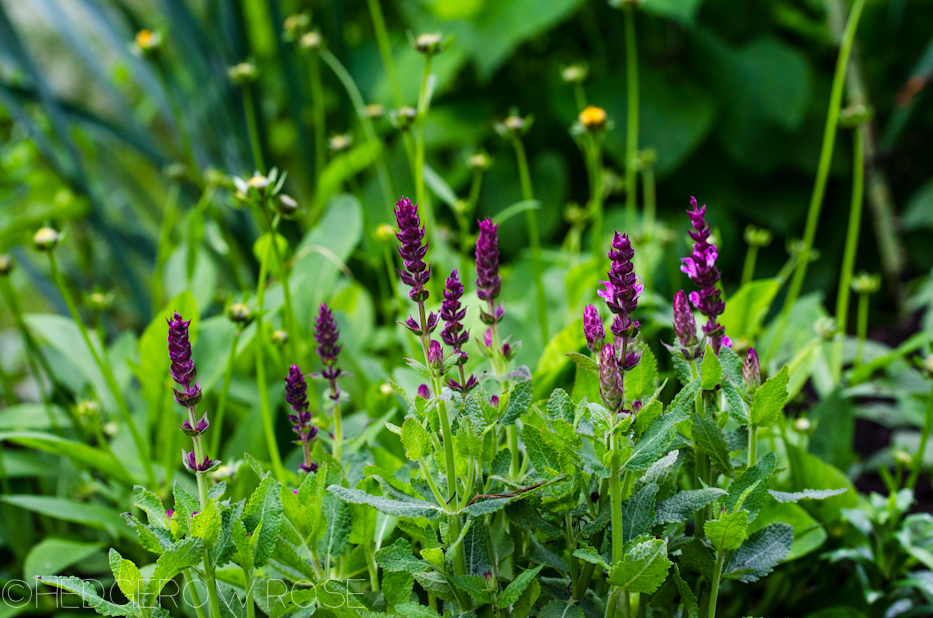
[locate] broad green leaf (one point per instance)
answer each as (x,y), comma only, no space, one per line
(80,453)
(592,556)
(474,551)
(711,440)
(747,308)
(412,508)
(656,440)
(731,365)
(415,439)
(543,457)
(519,400)
(522,607)
(584,362)
(728,532)
(337,534)
(810,472)
(806,494)
(683,504)
(416,610)
(475,586)
(562,609)
(809,535)
(32,416)
(691,607)
(645,416)
(151,505)
(264,506)
(738,407)
(398,557)
(397,588)
(89,514)
(206,524)
(759,473)
(763,550)
(696,556)
(86,591)
(183,554)
(559,406)
(127,577)
(514,590)
(295,599)
(770,399)
(638,513)
(641,381)
(51,556)
(341,168)
(710,369)
(644,567)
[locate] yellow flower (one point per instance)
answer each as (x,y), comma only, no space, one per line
(593,118)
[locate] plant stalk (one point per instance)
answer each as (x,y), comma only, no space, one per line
(916,464)
(250,111)
(714,592)
(224,392)
(631,133)
(531,220)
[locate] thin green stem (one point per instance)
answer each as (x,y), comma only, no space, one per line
(250,605)
(916,464)
(714,592)
(295,334)
(318,114)
(534,236)
(848,258)
(338,435)
(579,96)
(385,50)
(615,496)
(650,196)
(861,328)
(822,174)
(752,445)
(748,270)
(192,587)
(164,247)
(631,133)
(224,392)
(595,165)
(251,126)
(424,104)
(260,341)
(107,373)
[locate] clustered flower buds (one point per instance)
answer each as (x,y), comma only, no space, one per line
(700,267)
(296,395)
(326,334)
(593,329)
(685,326)
(412,248)
(453,333)
(488,282)
(751,372)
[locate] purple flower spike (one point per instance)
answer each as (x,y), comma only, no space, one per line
(183,370)
(193,465)
(685,327)
(488,282)
(423,391)
(452,312)
(610,378)
(325,334)
(296,395)
(700,267)
(622,289)
(412,248)
(593,329)
(751,372)
(435,354)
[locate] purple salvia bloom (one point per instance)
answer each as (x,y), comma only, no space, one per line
(325,334)
(198,428)
(685,327)
(593,329)
(488,282)
(452,312)
(423,391)
(183,370)
(193,465)
(412,248)
(296,395)
(751,372)
(463,389)
(435,354)
(622,289)
(610,378)
(700,267)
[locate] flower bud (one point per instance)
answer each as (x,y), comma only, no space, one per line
(802,425)
(279,337)
(865,283)
(610,378)
(757,237)
(826,327)
(87,409)
(295,25)
(685,326)
(429,44)
(46,239)
(928,364)
(593,118)
(339,143)
(854,116)
(645,159)
(574,74)
(435,355)
(176,171)
(403,118)
(243,73)
(385,389)
(385,233)
(479,162)
(286,205)
(513,126)
(902,457)
(99,301)
(6,264)
(240,314)
(593,329)
(423,391)
(751,372)
(147,42)
(374,110)
(311,41)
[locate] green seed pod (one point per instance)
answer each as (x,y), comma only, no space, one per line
(100,301)
(279,337)
(240,314)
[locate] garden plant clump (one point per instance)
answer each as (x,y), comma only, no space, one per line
(440,370)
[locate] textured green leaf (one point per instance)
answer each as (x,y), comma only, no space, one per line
(641,381)
(151,538)
(522,607)
(206,524)
(86,591)
(292,601)
(691,607)
(710,369)
(514,590)
(656,440)
(683,504)
(738,407)
(416,610)
(644,567)
(544,458)
(264,506)
(400,508)
(519,400)
(807,494)
(397,588)
(337,534)
(185,553)
(710,438)
(151,504)
(415,439)
(560,406)
(561,609)
(127,576)
(398,557)
(584,362)
(731,365)
(759,473)
(475,586)
(695,556)
(685,398)
(647,414)
(770,399)
(728,532)
(660,472)
(638,513)
(763,550)
(592,556)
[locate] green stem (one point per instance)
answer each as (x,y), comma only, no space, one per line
(861,328)
(318,115)
(255,144)
(338,434)
(748,270)
(295,334)
(595,165)
(615,495)
(612,603)
(107,373)
(848,258)
(822,174)
(224,392)
(534,236)
(424,103)
(164,247)
(631,134)
(250,605)
(441,502)
(714,592)
(579,95)
(385,50)
(752,445)
(917,462)
(192,587)
(260,341)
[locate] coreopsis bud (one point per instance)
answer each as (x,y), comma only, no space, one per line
(435,355)
(802,425)
(287,205)
(514,126)
(403,118)
(340,143)
(757,237)
(479,162)
(6,264)
(751,371)
(685,327)
(374,111)
(429,44)
(865,283)
(213,177)
(423,391)
(610,378)
(100,301)
(645,159)
(593,329)
(593,118)
(311,41)
(902,457)
(854,116)
(826,327)
(87,409)
(279,337)
(574,74)
(242,73)
(46,239)
(295,25)
(240,314)
(147,42)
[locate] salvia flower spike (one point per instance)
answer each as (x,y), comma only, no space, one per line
(296,395)
(412,248)
(700,267)
(685,326)
(593,329)
(453,333)
(325,335)
(488,282)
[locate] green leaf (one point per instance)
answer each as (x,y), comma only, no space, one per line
(770,399)
(696,556)
(415,439)
(206,524)
(416,610)
(32,416)
(691,607)
(810,472)
(151,505)
(588,554)
(731,366)
(584,362)
(94,515)
(763,550)
(183,554)
(86,591)
(543,457)
(400,508)
(398,557)
(264,507)
(522,607)
(474,551)
(738,408)
(638,513)
(475,586)
(710,438)
(80,453)
(710,369)
(644,567)
(562,609)
(656,440)
(648,413)
(514,590)
(809,535)
(341,168)
(397,588)
(683,504)
(747,308)
(52,556)
(337,534)
(127,577)
(641,381)
(560,406)
(759,473)
(293,600)
(806,494)
(519,400)
(728,532)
